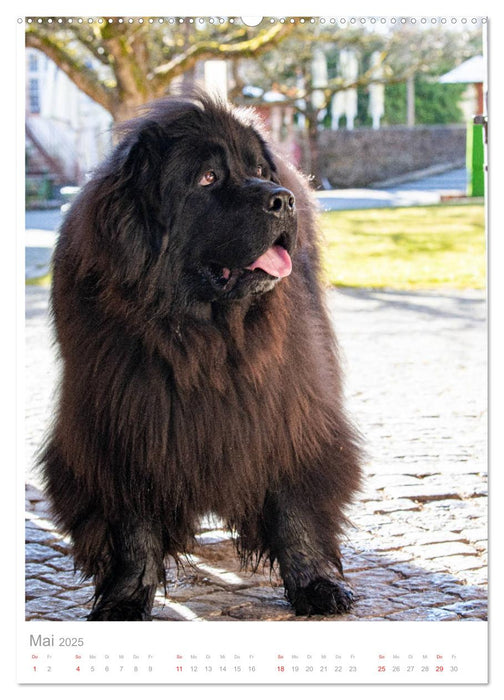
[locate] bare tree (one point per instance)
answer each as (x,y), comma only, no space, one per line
(122,64)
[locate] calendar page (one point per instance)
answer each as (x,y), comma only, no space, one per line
(254,352)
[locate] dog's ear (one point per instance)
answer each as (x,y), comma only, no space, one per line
(141,154)
(127,200)
(139,179)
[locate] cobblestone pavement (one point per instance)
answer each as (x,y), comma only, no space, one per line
(416,385)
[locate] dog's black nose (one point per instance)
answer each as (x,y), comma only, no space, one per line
(280,202)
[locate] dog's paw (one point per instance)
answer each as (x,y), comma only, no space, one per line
(125,612)
(322,597)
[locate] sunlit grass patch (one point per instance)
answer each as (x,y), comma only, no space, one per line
(406,248)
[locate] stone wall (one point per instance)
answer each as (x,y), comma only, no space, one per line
(362,157)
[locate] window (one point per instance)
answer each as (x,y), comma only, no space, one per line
(33,62)
(33,96)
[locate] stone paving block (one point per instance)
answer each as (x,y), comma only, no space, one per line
(372,606)
(265,593)
(459,564)
(372,577)
(35,535)
(416,578)
(61,562)
(381,482)
(368,521)
(39,509)
(469,608)
(73,614)
(184,593)
(466,592)
(454,508)
(476,578)
(213,537)
(427,598)
(423,584)
(388,545)
(425,614)
(39,552)
(381,594)
(387,507)
(209,609)
(266,610)
(36,569)
(224,601)
(36,589)
(441,549)
(46,605)
(82,596)
(385,559)
(31,492)
(219,551)
(479,537)
(68,579)
(420,538)
(423,492)
(355,565)
(163,613)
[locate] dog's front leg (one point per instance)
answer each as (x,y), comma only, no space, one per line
(127,581)
(301,533)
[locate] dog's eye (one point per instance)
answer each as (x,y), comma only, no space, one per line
(259,171)
(208,178)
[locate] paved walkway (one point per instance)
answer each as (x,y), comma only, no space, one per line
(416,384)
(421,190)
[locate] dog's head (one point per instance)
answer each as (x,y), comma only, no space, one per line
(193,188)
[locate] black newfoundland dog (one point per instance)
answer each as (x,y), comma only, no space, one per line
(200,371)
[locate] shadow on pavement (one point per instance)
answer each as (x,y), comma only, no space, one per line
(415,302)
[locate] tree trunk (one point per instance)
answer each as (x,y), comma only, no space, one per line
(313,147)
(126,110)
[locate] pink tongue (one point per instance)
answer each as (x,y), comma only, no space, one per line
(276,262)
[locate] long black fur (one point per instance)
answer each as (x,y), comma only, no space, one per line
(190,384)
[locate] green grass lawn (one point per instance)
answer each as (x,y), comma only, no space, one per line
(406,248)
(42,281)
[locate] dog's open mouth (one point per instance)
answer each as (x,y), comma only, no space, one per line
(275,263)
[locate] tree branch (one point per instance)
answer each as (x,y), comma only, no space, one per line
(90,41)
(164,74)
(131,81)
(85,78)
(292,97)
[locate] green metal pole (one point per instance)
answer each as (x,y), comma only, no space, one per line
(475,160)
